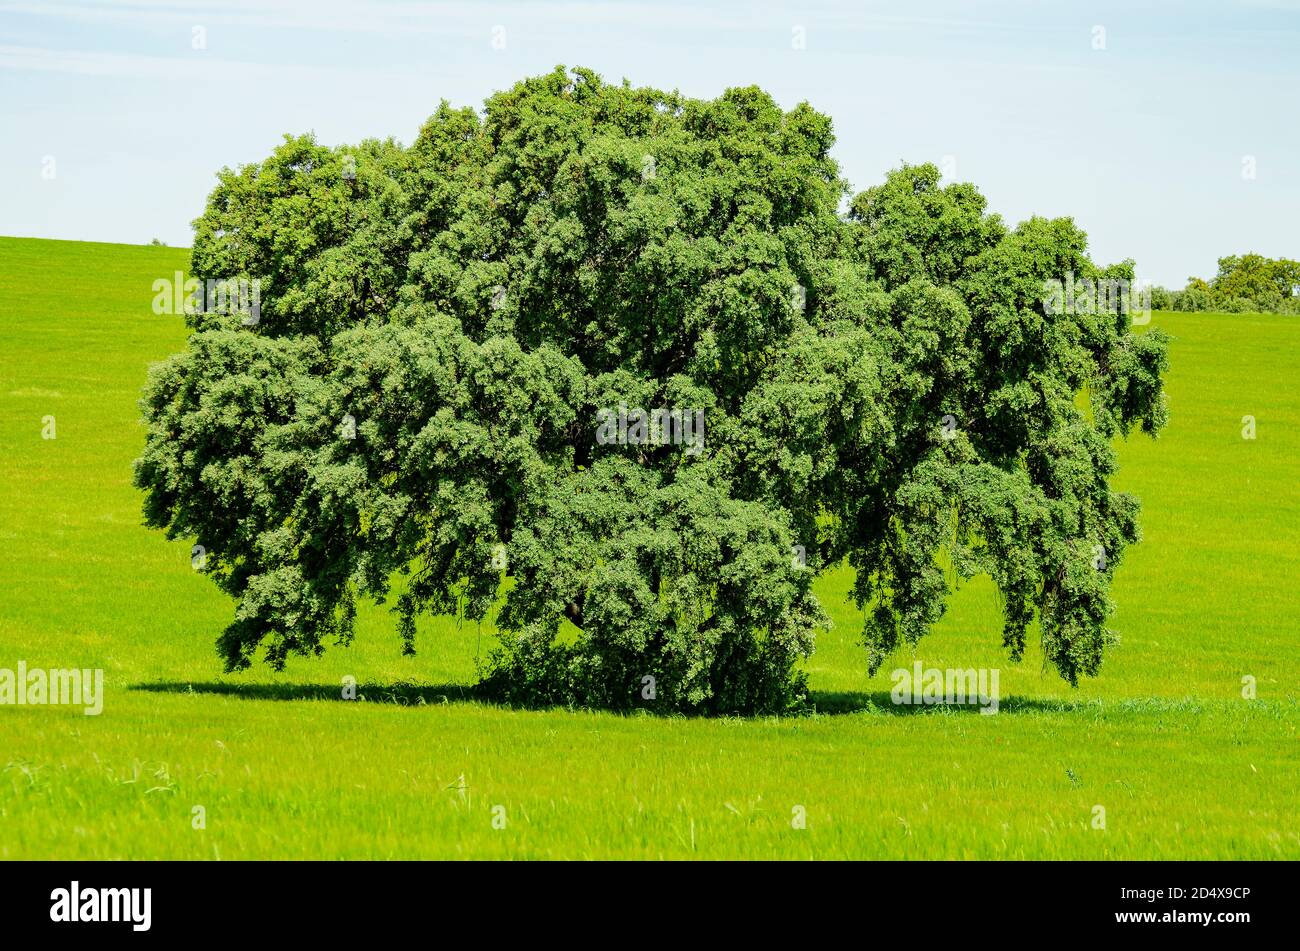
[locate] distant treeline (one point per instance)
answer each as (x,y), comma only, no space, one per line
(1249,283)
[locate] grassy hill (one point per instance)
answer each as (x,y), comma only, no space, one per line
(283,768)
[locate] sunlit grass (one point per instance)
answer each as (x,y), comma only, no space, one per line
(283,767)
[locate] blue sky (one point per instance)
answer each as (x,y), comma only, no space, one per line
(1174,144)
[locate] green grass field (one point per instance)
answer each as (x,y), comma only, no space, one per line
(284,768)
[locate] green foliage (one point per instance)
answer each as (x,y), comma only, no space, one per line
(1249,283)
(415,416)
(1162,298)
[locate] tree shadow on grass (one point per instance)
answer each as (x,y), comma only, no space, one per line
(840,702)
(821,702)
(401,694)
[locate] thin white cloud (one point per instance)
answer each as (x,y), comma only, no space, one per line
(200,66)
(333,16)
(399,18)
(285,14)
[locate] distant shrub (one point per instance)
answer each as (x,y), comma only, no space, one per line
(1193,299)
(1162,299)
(1248,283)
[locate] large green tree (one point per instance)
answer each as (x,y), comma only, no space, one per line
(424,411)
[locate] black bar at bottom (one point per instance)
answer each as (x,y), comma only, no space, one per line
(341,900)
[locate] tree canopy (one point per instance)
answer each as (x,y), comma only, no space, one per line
(624,371)
(1244,283)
